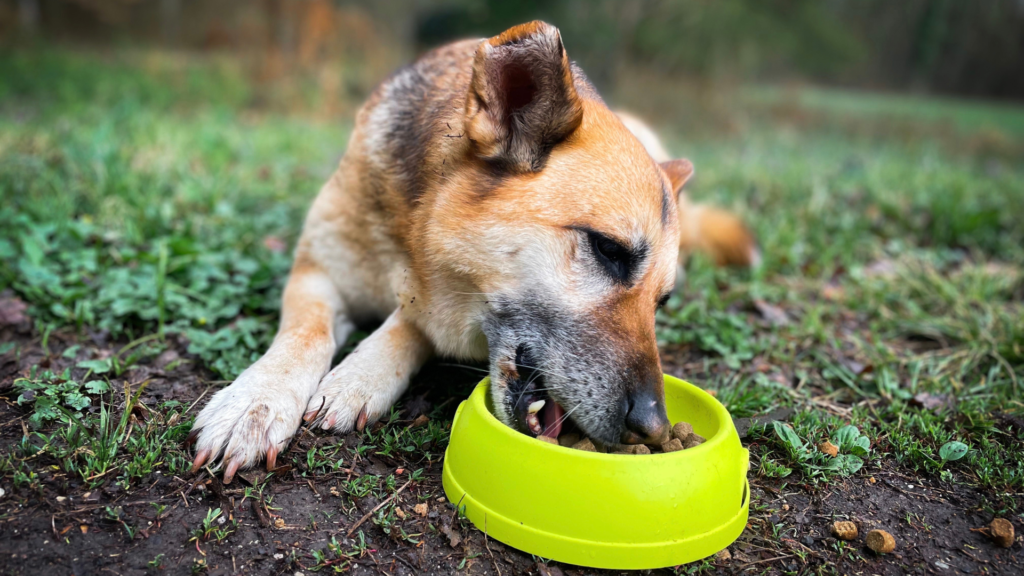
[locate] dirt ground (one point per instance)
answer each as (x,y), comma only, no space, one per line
(64,528)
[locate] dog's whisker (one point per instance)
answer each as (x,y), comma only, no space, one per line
(566,415)
(466,366)
(546,371)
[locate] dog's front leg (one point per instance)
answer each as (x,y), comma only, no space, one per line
(369,380)
(259,412)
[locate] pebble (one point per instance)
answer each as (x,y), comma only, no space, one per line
(941,565)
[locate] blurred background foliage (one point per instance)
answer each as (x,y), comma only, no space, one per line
(949,47)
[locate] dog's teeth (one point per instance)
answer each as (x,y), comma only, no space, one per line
(533,423)
(535,407)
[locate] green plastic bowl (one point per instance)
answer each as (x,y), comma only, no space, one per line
(602,510)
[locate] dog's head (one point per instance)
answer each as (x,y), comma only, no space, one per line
(566,232)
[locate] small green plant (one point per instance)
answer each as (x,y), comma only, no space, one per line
(116,515)
(952,451)
(102,437)
(211,527)
(156,563)
(48,392)
(772,469)
(852,445)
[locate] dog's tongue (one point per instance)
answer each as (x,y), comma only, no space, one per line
(553,417)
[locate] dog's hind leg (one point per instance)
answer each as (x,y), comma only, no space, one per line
(370,380)
(257,415)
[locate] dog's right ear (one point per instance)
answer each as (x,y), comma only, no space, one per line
(522,100)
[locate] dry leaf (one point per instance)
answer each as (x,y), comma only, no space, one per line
(274,244)
(12,311)
(773,314)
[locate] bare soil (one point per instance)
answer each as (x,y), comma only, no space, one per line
(62,528)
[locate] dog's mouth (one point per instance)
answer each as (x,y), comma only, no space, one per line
(533,408)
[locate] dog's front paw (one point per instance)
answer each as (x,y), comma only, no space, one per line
(254,416)
(351,397)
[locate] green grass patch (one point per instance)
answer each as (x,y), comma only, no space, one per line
(151,197)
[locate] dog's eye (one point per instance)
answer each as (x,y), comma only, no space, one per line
(616,259)
(664,299)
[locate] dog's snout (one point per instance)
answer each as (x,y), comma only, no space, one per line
(646,420)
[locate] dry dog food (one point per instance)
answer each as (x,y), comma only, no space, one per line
(844,530)
(1001,532)
(682,437)
(881,541)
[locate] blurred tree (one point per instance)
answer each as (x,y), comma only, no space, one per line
(946,46)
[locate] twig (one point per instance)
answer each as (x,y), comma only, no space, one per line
(191,406)
(749,564)
(375,508)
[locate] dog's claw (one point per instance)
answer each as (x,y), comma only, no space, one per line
(271,458)
(312,414)
(200,459)
(361,419)
(329,422)
(229,470)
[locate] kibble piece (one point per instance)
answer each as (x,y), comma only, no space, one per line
(829,448)
(881,541)
(1001,532)
(844,530)
(585,444)
(693,440)
(633,449)
(723,555)
(681,430)
(568,439)
(548,439)
(673,445)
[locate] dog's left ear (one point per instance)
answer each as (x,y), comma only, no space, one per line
(678,172)
(522,100)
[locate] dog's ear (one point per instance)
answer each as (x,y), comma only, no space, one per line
(522,100)
(678,172)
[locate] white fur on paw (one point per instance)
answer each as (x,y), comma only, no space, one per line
(259,411)
(347,389)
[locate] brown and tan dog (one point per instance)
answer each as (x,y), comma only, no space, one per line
(489,205)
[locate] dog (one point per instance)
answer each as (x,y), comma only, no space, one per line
(491,207)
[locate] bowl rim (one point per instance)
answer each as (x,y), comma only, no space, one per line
(481,397)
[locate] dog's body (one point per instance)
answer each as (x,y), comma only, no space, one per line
(489,206)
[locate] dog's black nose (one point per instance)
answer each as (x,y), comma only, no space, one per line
(646,420)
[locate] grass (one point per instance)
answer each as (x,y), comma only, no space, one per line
(152,202)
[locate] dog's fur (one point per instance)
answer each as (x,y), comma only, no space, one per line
(489,206)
